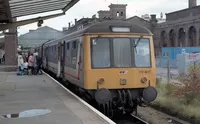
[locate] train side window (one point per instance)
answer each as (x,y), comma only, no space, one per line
(68,46)
(74,44)
(68,54)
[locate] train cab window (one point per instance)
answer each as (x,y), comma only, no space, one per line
(100,51)
(142,53)
(122,52)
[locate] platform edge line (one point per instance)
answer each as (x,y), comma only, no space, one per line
(85,103)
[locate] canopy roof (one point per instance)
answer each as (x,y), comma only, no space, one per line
(16,8)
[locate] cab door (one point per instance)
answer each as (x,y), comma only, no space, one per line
(81,62)
(63,60)
(59,58)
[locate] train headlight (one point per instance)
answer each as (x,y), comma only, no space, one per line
(101,81)
(143,79)
(123,81)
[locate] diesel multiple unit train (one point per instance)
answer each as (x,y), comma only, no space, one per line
(111,62)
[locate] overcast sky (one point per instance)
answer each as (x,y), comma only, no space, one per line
(87,8)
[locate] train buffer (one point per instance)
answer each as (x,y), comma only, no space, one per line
(40,100)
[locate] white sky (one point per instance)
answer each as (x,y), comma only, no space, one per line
(87,8)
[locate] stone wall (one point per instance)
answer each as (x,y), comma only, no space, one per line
(190,12)
(137,20)
(179,33)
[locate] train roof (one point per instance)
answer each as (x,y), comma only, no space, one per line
(105,27)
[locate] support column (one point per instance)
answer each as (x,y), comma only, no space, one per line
(186,38)
(168,41)
(197,37)
(176,44)
(11,47)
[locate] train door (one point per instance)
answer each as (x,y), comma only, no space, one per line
(80,61)
(63,60)
(46,58)
(59,58)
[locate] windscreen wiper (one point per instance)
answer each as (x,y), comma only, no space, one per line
(137,43)
(92,44)
(138,40)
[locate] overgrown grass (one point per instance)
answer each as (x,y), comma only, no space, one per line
(181,101)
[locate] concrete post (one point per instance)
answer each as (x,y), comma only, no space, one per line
(197,37)
(186,39)
(11,47)
(168,70)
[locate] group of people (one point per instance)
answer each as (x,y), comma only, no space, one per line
(29,64)
(2,56)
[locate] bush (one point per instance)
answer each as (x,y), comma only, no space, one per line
(164,88)
(169,89)
(190,92)
(158,82)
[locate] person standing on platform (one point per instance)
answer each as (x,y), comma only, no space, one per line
(31,63)
(39,64)
(20,61)
(35,66)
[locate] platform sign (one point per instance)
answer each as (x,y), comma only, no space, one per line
(183,51)
(192,56)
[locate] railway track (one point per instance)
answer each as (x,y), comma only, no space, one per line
(119,119)
(129,119)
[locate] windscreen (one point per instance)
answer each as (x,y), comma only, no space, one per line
(120,52)
(100,52)
(142,53)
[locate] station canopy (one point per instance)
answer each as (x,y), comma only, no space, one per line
(10,9)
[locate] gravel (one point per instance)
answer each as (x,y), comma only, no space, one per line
(156,117)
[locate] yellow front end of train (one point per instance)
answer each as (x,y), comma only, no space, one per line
(119,61)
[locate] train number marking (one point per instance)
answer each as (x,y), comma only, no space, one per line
(144,71)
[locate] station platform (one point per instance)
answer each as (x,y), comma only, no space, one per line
(38,99)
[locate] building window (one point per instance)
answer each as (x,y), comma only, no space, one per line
(122,14)
(117,14)
(166,54)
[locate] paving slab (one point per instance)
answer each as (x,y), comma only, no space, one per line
(24,93)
